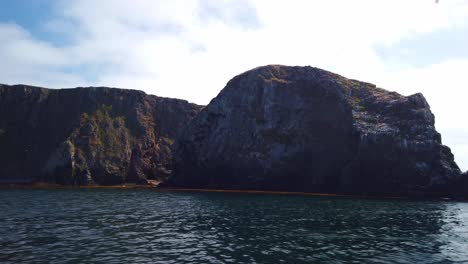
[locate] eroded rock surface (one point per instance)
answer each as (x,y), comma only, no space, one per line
(306,129)
(87,135)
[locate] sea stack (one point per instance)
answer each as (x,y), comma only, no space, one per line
(306,129)
(84,136)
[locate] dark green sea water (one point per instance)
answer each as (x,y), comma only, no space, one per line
(147,226)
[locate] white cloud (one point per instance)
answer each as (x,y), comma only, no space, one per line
(27,60)
(189,49)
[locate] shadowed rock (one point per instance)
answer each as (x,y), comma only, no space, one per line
(306,129)
(87,135)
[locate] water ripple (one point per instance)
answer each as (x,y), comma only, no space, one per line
(146,226)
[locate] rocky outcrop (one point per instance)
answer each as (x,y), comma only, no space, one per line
(306,129)
(87,135)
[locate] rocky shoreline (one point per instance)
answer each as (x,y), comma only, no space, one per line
(140,186)
(274,129)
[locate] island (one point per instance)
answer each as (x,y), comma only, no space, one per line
(275,128)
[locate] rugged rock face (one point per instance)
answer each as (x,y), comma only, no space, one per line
(306,129)
(87,135)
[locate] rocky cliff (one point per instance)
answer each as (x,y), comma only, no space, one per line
(306,129)
(87,135)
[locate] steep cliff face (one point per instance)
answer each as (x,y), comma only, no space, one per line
(87,135)
(305,129)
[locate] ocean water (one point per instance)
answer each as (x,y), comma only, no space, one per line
(148,226)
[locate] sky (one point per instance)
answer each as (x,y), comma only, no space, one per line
(189,49)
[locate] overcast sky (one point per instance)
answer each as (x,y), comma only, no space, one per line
(189,49)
